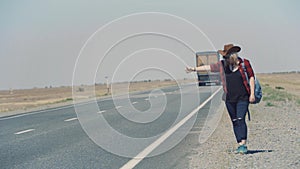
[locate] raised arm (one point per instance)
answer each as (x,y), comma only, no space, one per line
(195,69)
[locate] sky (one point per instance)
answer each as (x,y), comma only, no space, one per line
(53,42)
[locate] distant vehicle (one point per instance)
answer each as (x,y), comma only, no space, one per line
(207,77)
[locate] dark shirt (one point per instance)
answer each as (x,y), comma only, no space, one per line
(236,91)
(218,67)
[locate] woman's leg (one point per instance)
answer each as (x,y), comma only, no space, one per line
(237,112)
(231,108)
(241,126)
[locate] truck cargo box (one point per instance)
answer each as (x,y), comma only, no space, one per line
(207,77)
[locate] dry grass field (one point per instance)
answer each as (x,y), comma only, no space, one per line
(280,87)
(27,99)
(289,82)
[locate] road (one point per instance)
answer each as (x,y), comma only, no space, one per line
(54,138)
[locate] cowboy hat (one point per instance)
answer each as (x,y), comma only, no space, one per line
(228,49)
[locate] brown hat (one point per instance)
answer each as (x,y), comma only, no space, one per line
(228,49)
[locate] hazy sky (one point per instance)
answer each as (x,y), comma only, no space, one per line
(40,40)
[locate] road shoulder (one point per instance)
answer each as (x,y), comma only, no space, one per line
(273,140)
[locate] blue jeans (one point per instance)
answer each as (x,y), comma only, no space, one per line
(237,112)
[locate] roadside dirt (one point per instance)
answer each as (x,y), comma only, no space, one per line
(273,133)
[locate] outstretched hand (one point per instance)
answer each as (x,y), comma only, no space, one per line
(189,69)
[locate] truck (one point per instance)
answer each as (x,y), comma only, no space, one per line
(207,77)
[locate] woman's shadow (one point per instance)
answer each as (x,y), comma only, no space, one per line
(258,151)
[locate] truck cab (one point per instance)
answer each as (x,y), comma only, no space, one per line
(207,77)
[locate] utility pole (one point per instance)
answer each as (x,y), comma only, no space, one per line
(107,85)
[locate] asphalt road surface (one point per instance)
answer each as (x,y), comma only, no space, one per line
(54,138)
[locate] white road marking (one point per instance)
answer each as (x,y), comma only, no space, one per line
(103,111)
(24,131)
(195,132)
(134,102)
(35,112)
(70,119)
(137,159)
(51,109)
(63,107)
(118,107)
(147,99)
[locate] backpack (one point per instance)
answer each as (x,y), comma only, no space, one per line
(257,86)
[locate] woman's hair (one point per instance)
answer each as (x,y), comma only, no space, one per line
(231,60)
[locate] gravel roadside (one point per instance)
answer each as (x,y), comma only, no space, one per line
(273,140)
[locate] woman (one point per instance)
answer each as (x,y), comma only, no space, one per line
(238,93)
